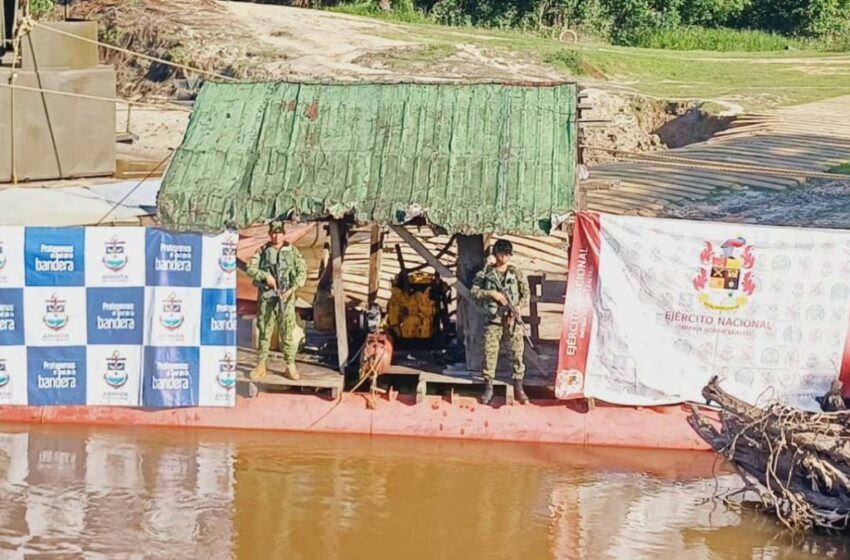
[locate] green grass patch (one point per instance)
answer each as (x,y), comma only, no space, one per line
(401,14)
(415,56)
(705,39)
(836,43)
(40,8)
(753,80)
(843,169)
(568,59)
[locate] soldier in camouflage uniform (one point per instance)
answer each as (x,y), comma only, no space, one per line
(492,287)
(278,269)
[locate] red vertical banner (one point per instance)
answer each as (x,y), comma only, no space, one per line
(844,373)
(582,287)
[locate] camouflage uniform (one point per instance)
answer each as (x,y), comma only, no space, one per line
(291,264)
(498,329)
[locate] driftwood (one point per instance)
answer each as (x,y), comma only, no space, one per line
(797,461)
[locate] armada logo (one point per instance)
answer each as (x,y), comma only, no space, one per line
(116,375)
(227,260)
(725,282)
(4,375)
(569,382)
(226,377)
(55,317)
(171,316)
(114,256)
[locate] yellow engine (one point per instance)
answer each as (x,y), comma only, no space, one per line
(418,306)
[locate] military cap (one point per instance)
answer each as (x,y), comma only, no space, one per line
(503,246)
(277,226)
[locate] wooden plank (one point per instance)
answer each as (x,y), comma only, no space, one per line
(465,378)
(312,375)
(534,286)
(337,231)
(577,155)
(432,261)
(376,243)
(470,323)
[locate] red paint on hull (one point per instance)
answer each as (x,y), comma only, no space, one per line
(542,421)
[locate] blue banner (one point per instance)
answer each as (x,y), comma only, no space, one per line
(172,259)
(56,375)
(54,256)
(117,317)
(218,308)
(171,376)
(11,316)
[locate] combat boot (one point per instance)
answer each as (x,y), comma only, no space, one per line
(487,395)
(519,392)
(291,372)
(258,372)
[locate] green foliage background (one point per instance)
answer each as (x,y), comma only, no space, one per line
(651,23)
(725,25)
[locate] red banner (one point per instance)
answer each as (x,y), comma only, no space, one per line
(844,374)
(582,285)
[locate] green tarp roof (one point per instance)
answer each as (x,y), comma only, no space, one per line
(477,158)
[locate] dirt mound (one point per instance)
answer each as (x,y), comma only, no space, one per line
(618,122)
(250,41)
(623,124)
(195,33)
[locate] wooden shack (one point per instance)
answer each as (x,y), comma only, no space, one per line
(429,166)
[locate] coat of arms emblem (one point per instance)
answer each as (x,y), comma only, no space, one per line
(725,282)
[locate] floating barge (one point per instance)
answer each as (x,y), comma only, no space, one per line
(387,161)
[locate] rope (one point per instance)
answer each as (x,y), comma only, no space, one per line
(23,27)
(675,161)
(133,53)
(346,394)
(116,100)
(139,184)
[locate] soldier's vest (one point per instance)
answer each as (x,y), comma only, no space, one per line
(280,264)
(509,284)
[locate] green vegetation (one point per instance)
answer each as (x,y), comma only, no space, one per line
(725,25)
(752,80)
(569,59)
(40,8)
(843,169)
(403,12)
(707,39)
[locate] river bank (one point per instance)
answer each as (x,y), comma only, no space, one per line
(821,203)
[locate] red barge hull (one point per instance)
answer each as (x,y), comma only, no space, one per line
(545,421)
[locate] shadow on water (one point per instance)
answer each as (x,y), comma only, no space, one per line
(219,494)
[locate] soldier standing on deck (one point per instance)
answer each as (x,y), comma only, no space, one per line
(278,269)
(493,286)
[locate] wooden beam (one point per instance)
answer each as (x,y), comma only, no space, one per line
(433,262)
(535,286)
(376,245)
(579,195)
(471,258)
(338,239)
(449,278)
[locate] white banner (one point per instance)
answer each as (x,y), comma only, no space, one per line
(655,308)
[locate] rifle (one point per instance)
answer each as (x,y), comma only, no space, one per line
(513,312)
(282,280)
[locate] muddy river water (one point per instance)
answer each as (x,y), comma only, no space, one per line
(70,492)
